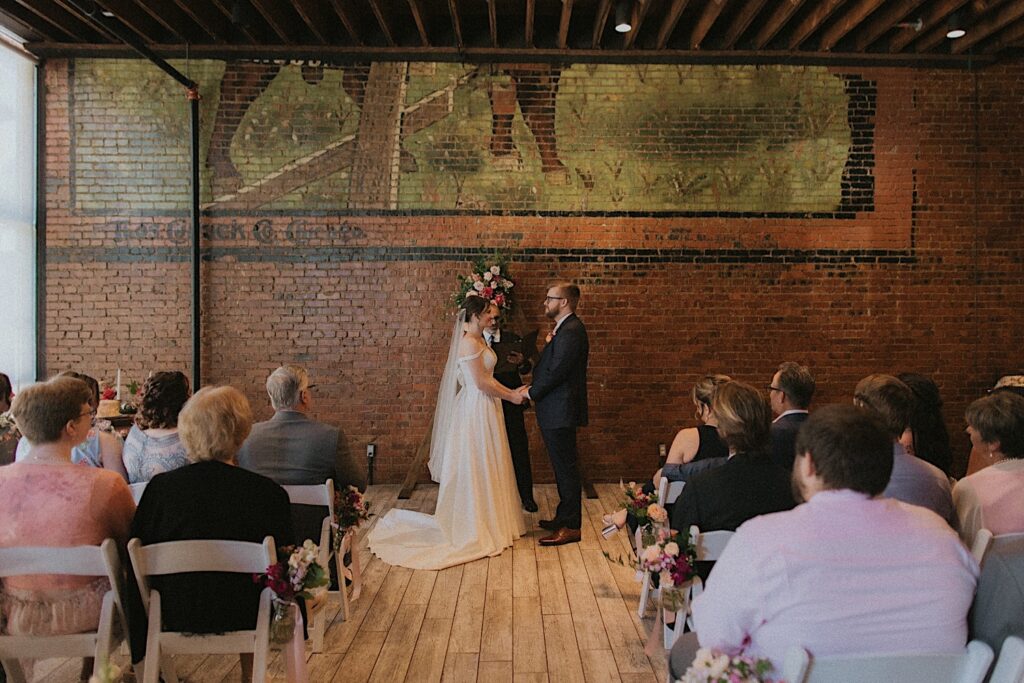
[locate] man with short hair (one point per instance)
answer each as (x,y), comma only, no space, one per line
(789,394)
(845,573)
(293,449)
(913,480)
(559,393)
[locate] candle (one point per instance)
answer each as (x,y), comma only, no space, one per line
(118,396)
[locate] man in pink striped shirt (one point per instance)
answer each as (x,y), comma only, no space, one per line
(846,572)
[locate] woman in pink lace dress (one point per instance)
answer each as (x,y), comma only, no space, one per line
(45,500)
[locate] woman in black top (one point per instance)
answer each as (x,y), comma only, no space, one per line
(209,499)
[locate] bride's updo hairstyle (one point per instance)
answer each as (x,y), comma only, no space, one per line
(474,306)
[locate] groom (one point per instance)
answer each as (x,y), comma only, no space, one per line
(559,392)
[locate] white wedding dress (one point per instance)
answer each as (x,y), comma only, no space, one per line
(478,512)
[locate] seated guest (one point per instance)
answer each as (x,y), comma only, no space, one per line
(694,450)
(749,483)
(9,434)
(993,498)
(845,573)
(702,442)
(790,395)
(45,500)
(210,499)
(926,436)
(913,480)
(102,448)
(1013,384)
(153,445)
(291,448)
(998,609)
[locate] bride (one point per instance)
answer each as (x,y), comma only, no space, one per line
(478,510)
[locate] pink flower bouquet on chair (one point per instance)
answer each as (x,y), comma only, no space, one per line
(350,510)
(296,574)
(710,666)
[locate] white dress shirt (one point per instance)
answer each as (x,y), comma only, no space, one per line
(840,574)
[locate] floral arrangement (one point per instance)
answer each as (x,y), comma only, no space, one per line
(130,402)
(350,510)
(490,280)
(710,666)
(296,574)
(671,556)
(644,506)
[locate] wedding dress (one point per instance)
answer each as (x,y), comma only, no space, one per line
(478,512)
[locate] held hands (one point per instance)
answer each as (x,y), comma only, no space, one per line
(522,394)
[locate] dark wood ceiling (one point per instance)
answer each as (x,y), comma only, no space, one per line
(891,30)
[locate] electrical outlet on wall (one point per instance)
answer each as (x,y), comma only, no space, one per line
(662,451)
(371,450)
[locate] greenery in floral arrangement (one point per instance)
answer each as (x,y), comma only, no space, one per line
(643,506)
(712,666)
(489,279)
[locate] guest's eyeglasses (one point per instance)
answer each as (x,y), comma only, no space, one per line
(91,414)
(554,298)
(772,388)
(310,386)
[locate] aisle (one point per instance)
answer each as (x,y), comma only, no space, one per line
(532,614)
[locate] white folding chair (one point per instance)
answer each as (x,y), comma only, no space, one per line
(669,491)
(1010,665)
(709,545)
(985,542)
(178,557)
(88,560)
(968,666)
(137,490)
(320,495)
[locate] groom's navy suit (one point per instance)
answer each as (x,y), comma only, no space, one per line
(559,392)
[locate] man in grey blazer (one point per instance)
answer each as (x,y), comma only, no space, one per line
(293,449)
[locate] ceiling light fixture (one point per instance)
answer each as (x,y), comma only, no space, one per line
(623,10)
(954,27)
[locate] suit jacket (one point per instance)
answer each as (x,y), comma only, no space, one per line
(783,433)
(747,485)
(292,449)
(559,387)
(507,374)
(206,500)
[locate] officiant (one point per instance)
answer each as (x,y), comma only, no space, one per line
(513,363)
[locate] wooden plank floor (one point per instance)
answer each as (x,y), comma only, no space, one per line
(533,614)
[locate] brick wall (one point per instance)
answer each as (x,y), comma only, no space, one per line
(719,219)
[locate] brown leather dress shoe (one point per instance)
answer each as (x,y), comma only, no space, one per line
(561,537)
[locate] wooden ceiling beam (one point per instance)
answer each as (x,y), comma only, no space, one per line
(775,21)
(453,10)
(206,17)
(346,21)
(600,21)
(31,21)
(640,9)
(312,15)
(1008,37)
(847,22)
(421,26)
(129,14)
(93,22)
(704,23)
(174,20)
(279,23)
(382,21)
(668,24)
(243,28)
(989,24)
(563,24)
(492,22)
(531,8)
(741,22)
(54,15)
(812,21)
(935,14)
(883,21)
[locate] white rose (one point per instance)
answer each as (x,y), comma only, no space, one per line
(651,553)
(495,270)
(509,284)
(672,549)
(478,286)
(718,666)
(488,276)
(471,293)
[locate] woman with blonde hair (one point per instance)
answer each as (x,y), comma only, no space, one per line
(210,499)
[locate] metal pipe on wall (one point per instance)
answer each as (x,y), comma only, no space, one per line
(129,38)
